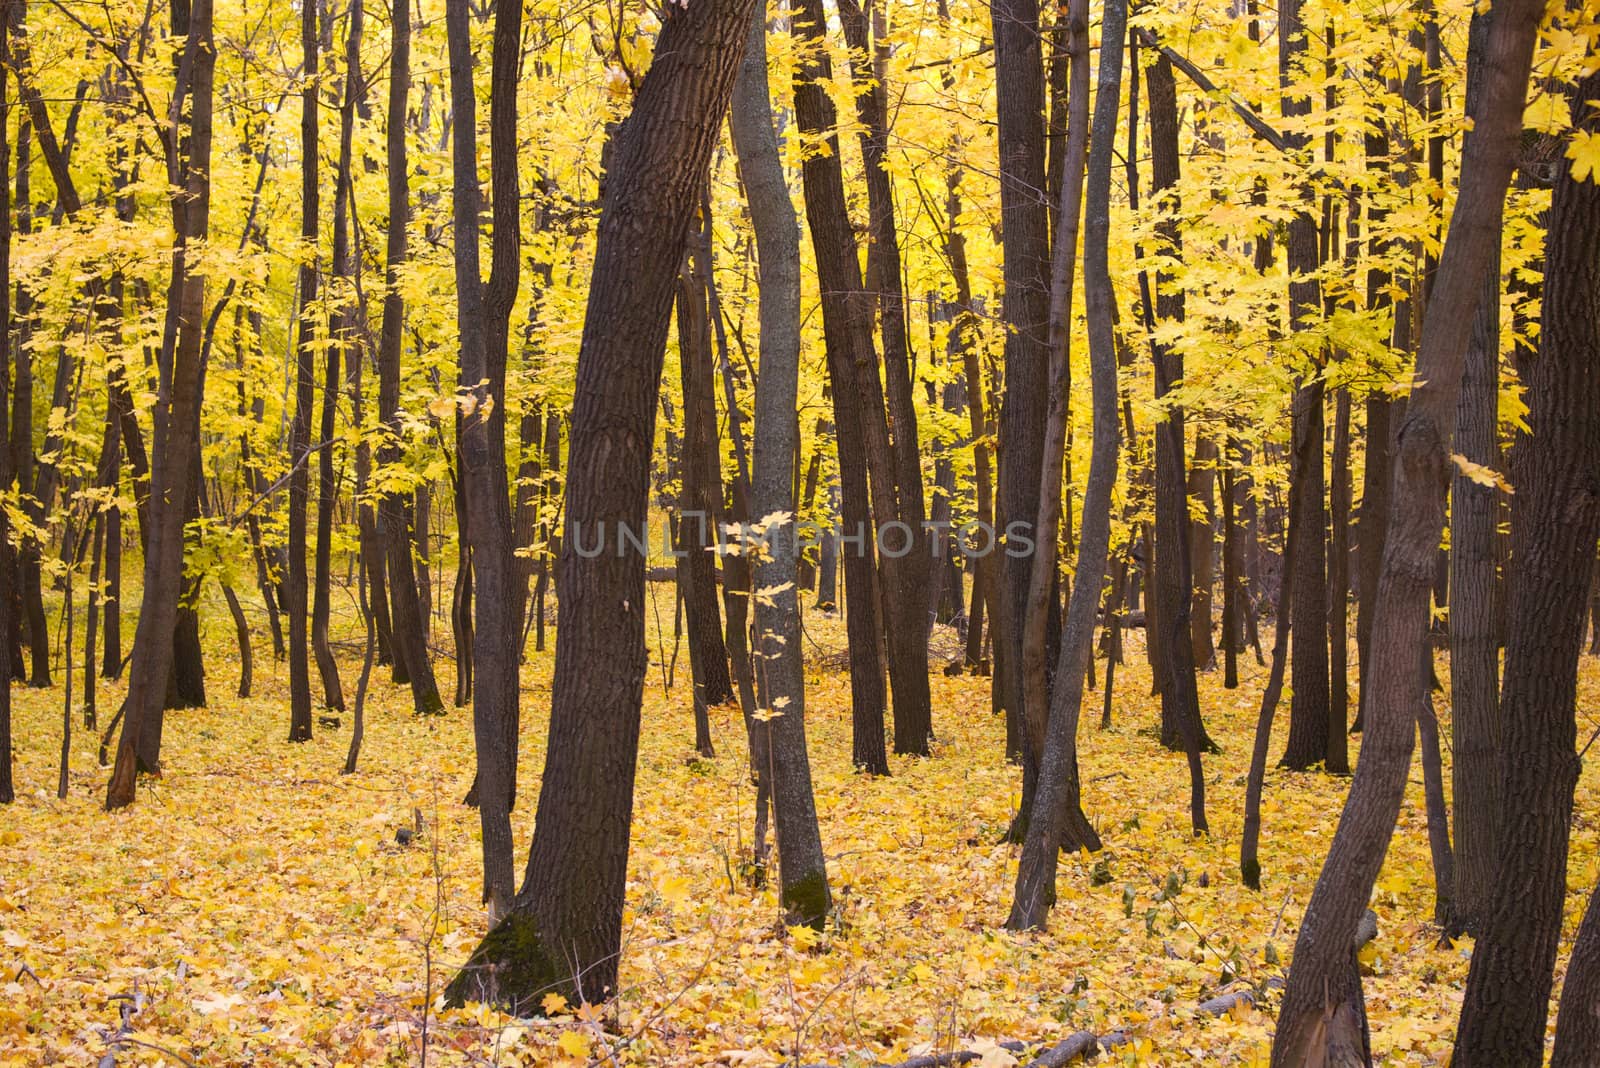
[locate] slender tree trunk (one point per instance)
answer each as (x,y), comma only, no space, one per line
(1055,803)
(700,504)
(858,418)
(483,313)
(7,564)
(906,577)
(409,623)
(296,584)
(778,744)
(565,930)
(1025,308)
(177,423)
(1322,1013)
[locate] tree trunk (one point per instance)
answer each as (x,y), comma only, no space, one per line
(1322,1013)
(483,313)
(565,930)
(858,410)
(1055,819)
(700,502)
(296,584)
(1202,549)
(1555,524)
(906,577)
(409,622)
(777,745)
(176,421)
(1025,308)
(1474,637)
(1175,663)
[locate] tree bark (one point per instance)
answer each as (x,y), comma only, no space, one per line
(176,421)
(296,584)
(483,311)
(1322,1013)
(1555,525)
(777,745)
(564,932)
(1474,630)
(1055,819)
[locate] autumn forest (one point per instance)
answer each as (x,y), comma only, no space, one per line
(826,533)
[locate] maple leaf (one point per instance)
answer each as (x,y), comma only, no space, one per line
(1584,152)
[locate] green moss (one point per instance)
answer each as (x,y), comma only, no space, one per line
(510,968)
(806,900)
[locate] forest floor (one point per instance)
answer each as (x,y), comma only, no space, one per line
(256,908)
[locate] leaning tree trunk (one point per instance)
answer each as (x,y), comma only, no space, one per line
(1055,819)
(565,930)
(1323,1015)
(1555,523)
(858,418)
(777,745)
(177,424)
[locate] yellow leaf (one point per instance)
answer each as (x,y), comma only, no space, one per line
(1584,152)
(574,1044)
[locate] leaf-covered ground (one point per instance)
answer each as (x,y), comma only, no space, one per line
(255,907)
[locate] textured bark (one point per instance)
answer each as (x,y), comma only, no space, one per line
(778,745)
(565,930)
(176,422)
(1555,524)
(858,409)
(906,578)
(409,622)
(1056,820)
(1322,1013)
(1174,587)
(296,583)
(483,310)
(1578,1020)
(1025,308)
(1337,757)
(699,503)
(1474,631)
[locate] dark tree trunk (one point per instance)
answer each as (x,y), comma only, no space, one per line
(1202,549)
(1025,308)
(1323,1015)
(858,410)
(1175,663)
(1055,820)
(1474,630)
(1555,523)
(906,577)
(7,565)
(1578,1020)
(565,930)
(699,504)
(296,583)
(1337,758)
(176,421)
(409,623)
(483,314)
